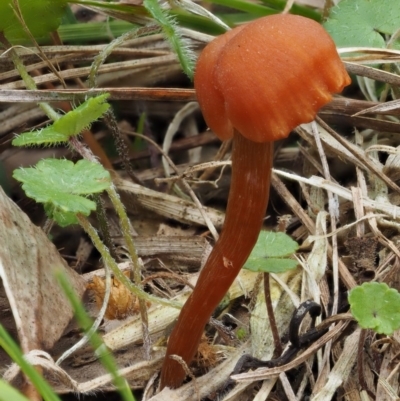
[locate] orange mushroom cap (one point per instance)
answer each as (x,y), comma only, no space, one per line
(267,77)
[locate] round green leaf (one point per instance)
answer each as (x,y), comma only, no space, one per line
(63,186)
(274,245)
(269,252)
(40,16)
(271,265)
(363,22)
(376,306)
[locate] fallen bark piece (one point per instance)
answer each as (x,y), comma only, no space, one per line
(28,261)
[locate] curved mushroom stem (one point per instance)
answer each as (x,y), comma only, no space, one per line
(247,203)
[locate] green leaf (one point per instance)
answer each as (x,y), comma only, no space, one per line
(363,22)
(70,124)
(269,253)
(7,392)
(247,6)
(45,136)
(376,306)
(62,186)
(173,34)
(274,245)
(12,349)
(241,333)
(80,118)
(296,9)
(63,217)
(40,16)
(272,265)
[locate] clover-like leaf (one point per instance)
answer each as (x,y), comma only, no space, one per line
(270,252)
(70,124)
(376,306)
(363,22)
(40,16)
(62,186)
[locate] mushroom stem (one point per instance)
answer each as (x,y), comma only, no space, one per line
(247,203)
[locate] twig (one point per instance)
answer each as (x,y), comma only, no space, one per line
(271,316)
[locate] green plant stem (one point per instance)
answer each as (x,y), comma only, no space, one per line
(173,34)
(125,225)
(107,50)
(28,80)
(137,277)
(121,146)
(95,339)
(296,9)
(246,6)
(104,226)
(126,230)
(105,254)
(189,6)
(12,349)
(7,393)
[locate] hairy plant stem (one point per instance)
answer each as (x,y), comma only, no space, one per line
(105,254)
(173,34)
(104,227)
(121,146)
(28,80)
(125,225)
(247,203)
(117,42)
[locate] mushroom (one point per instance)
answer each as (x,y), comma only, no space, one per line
(254,83)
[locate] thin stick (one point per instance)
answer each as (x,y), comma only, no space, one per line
(271,316)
